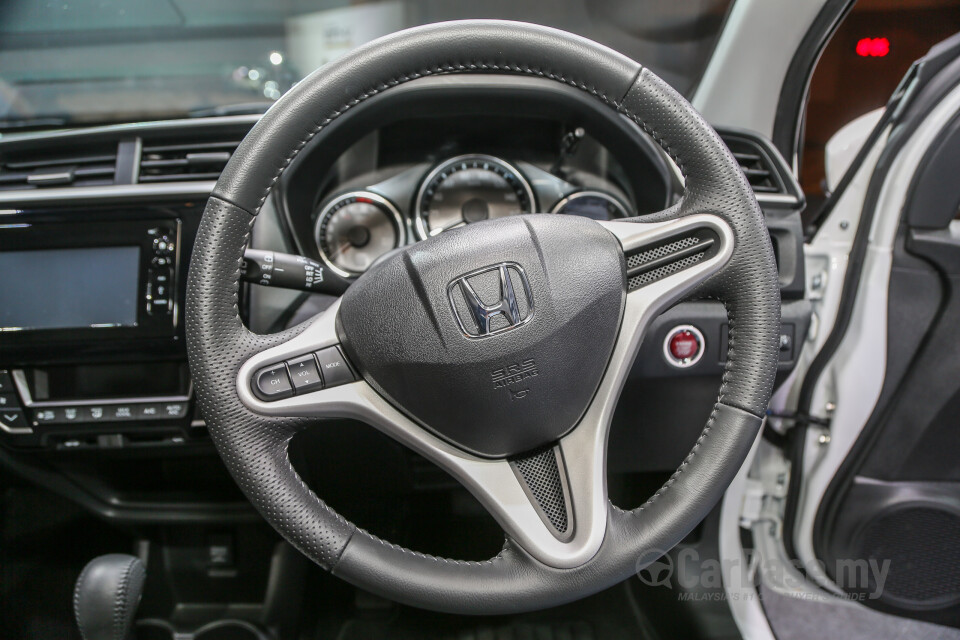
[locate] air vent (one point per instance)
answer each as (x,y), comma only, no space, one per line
(652,263)
(58,167)
(187,161)
(756,165)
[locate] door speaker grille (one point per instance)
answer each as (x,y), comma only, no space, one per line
(923,547)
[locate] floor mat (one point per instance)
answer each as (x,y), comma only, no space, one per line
(802,619)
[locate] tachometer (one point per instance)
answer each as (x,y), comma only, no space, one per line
(354,229)
(469,189)
(592,204)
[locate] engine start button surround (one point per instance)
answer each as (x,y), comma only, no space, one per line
(684,346)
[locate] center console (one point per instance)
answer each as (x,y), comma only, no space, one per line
(92,347)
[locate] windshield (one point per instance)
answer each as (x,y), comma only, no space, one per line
(96,61)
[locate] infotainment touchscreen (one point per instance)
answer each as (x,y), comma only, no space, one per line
(69,288)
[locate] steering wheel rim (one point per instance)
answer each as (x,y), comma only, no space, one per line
(531,571)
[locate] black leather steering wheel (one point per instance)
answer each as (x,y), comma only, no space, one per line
(497,350)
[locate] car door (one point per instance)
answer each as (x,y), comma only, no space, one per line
(884,490)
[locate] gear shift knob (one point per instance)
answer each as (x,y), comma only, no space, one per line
(106,596)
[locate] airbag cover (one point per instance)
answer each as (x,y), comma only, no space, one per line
(522,371)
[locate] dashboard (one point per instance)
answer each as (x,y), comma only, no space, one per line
(98,225)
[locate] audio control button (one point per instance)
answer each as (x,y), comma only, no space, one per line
(305,374)
(334,367)
(272,383)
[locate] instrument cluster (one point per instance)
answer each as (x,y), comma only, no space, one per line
(354,228)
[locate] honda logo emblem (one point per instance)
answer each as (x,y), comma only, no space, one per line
(485,313)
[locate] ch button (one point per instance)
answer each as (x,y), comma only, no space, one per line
(272,383)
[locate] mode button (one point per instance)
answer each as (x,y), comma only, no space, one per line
(333,367)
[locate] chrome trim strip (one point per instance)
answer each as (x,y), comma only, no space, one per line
(777,198)
(132,128)
(73,195)
(15,431)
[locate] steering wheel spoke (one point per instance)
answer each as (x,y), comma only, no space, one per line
(668,260)
(647,300)
(506,489)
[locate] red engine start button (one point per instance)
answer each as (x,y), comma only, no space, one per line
(683,346)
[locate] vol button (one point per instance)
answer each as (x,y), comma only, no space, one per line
(305,374)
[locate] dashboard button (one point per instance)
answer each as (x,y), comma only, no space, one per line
(304,374)
(6,382)
(8,401)
(122,412)
(149,411)
(71,414)
(170,410)
(272,383)
(334,367)
(94,414)
(12,419)
(46,416)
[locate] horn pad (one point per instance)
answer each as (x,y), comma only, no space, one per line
(495,335)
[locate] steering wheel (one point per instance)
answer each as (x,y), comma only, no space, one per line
(497,350)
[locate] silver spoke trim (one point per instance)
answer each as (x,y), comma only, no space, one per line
(585,448)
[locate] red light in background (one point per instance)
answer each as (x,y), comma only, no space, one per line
(873,47)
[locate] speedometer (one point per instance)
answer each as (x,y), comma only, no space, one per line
(354,229)
(469,189)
